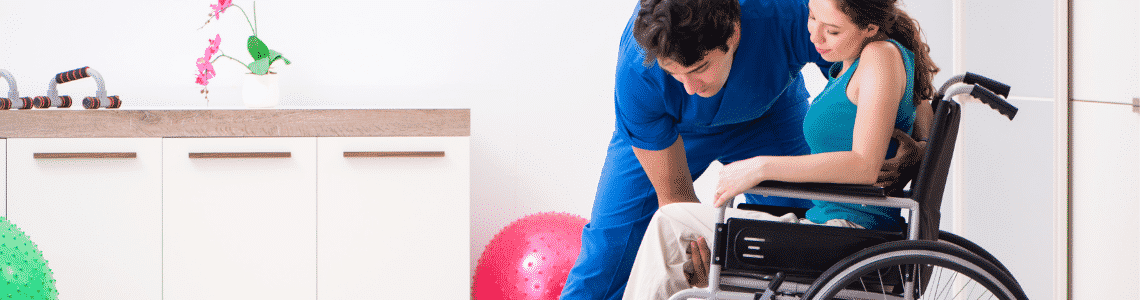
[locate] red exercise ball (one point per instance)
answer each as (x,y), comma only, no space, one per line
(529,259)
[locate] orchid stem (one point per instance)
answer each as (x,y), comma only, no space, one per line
(251,27)
(234,59)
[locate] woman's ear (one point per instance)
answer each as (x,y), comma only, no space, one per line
(870,31)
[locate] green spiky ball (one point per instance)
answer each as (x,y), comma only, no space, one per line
(24,273)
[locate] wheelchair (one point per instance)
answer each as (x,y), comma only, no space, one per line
(754,259)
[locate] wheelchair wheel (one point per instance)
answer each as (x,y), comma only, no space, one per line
(974,248)
(915,270)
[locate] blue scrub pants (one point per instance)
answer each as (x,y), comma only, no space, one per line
(626,200)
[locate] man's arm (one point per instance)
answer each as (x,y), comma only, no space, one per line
(910,151)
(668,171)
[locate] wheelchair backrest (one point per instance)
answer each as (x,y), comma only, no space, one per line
(930,183)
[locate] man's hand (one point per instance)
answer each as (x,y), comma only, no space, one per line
(699,252)
(899,169)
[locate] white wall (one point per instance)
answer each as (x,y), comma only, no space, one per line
(537,75)
(1006,172)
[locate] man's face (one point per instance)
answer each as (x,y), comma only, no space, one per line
(707,76)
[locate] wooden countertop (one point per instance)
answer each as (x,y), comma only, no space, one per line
(130,123)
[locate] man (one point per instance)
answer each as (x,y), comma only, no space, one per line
(697,81)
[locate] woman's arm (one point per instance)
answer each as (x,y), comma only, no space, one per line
(879,83)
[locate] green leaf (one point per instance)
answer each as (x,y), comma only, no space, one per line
(257,48)
(260,66)
(274,55)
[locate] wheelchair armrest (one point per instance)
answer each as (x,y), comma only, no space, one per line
(839,189)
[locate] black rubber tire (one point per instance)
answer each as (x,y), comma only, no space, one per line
(964,243)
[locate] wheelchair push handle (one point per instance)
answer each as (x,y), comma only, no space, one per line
(994,101)
(972,78)
(990,84)
(984,95)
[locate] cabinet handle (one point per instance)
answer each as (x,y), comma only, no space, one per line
(394,154)
(85,155)
(241,155)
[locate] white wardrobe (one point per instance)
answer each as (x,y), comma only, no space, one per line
(1105,149)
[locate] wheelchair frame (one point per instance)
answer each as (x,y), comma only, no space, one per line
(919,247)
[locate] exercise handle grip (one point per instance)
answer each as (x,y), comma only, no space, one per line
(72,75)
(994,101)
(992,85)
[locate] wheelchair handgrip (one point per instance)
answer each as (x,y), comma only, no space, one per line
(993,85)
(76,74)
(994,101)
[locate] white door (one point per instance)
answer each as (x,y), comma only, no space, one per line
(94,207)
(239,218)
(1105,149)
(393,217)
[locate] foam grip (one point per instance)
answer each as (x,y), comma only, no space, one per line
(41,102)
(24,103)
(46,102)
(990,84)
(79,73)
(5,103)
(93,103)
(994,101)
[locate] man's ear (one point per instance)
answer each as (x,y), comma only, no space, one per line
(734,40)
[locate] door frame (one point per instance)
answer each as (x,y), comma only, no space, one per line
(1062,150)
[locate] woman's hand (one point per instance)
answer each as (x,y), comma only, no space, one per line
(737,177)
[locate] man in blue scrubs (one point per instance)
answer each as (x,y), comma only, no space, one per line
(697,81)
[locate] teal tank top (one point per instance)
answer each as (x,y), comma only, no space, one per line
(829,126)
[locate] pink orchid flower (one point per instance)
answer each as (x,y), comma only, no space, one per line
(221,7)
(205,70)
(202,80)
(214,45)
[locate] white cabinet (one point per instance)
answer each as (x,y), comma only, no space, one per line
(93,206)
(240,204)
(1106,197)
(1105,134)
(239,218)
(392,217)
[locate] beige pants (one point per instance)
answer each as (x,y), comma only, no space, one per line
(659,271)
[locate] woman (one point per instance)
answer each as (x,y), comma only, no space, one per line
(882,67)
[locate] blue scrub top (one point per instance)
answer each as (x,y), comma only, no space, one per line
(652,108)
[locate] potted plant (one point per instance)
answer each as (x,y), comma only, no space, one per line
(260,88)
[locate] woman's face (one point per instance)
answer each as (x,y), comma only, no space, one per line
(835,37)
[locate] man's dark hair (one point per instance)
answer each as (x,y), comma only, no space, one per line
(684,31)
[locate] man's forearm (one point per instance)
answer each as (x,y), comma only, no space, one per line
(668,171)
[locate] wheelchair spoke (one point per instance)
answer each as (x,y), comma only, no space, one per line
(962,289)
(949,285)
(882,288)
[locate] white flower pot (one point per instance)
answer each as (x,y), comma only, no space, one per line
(260,91)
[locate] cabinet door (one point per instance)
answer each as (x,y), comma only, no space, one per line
(239,218)
(393,218)
(1105,149)
(93,206)
(1106,193)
